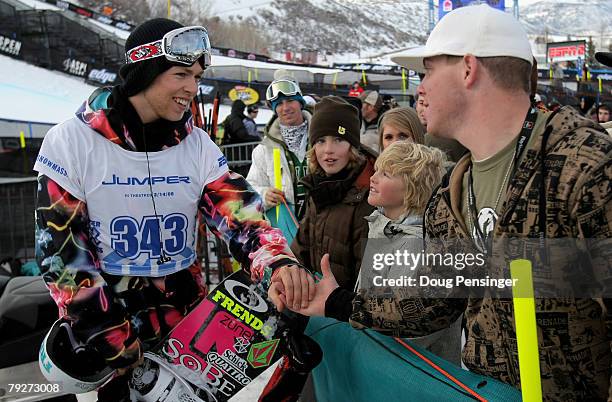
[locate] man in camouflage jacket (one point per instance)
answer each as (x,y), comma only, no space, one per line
(557,187)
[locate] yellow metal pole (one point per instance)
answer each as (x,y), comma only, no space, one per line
(278,178)
(526,330)
(169,9)
(600,85)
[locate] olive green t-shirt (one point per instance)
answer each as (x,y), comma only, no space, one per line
(488,179)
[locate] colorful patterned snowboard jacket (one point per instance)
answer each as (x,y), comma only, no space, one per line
(120,315)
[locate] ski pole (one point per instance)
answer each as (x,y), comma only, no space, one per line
(215,114)
(440,370)
(209,121)
(293,218)
(194,113)
(200,98)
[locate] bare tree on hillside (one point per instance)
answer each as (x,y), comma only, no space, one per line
(241,35)
(590,52)
(185,11)
(159,8)
(193,13)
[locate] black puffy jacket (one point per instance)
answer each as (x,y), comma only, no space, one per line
(235,131)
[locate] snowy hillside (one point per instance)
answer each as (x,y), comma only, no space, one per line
(592,17)
(335,26)
(363,29)
(371,27)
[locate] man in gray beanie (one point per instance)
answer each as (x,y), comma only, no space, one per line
(120,187)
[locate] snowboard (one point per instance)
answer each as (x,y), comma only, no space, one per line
(229,339)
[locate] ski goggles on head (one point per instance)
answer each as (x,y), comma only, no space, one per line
(282,87)
(182,46)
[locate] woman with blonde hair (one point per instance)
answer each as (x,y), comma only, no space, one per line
(400,124)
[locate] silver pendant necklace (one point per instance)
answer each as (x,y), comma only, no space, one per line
(471,224)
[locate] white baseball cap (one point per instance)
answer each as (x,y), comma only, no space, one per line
(604,58)
(480,30)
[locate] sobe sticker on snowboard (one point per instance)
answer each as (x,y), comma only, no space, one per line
(218,348)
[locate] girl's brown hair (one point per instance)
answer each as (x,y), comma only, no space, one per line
(406,120)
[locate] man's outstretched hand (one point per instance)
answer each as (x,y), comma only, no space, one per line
(291,287)
(316,306)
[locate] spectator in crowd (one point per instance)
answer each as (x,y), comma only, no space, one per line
(411,101)
(311,100)
(287,130)
(585,104)
(605,58)
(420,109)
(234,129)
(389,102)
(371,111)
(355,102)
(249,121)
(337,184)
(603,113)
(566,196)
(356,90)
(400,124)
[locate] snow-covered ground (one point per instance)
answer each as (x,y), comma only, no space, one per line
(35,94)
(40,5)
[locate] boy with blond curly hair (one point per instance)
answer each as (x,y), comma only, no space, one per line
(405,176)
